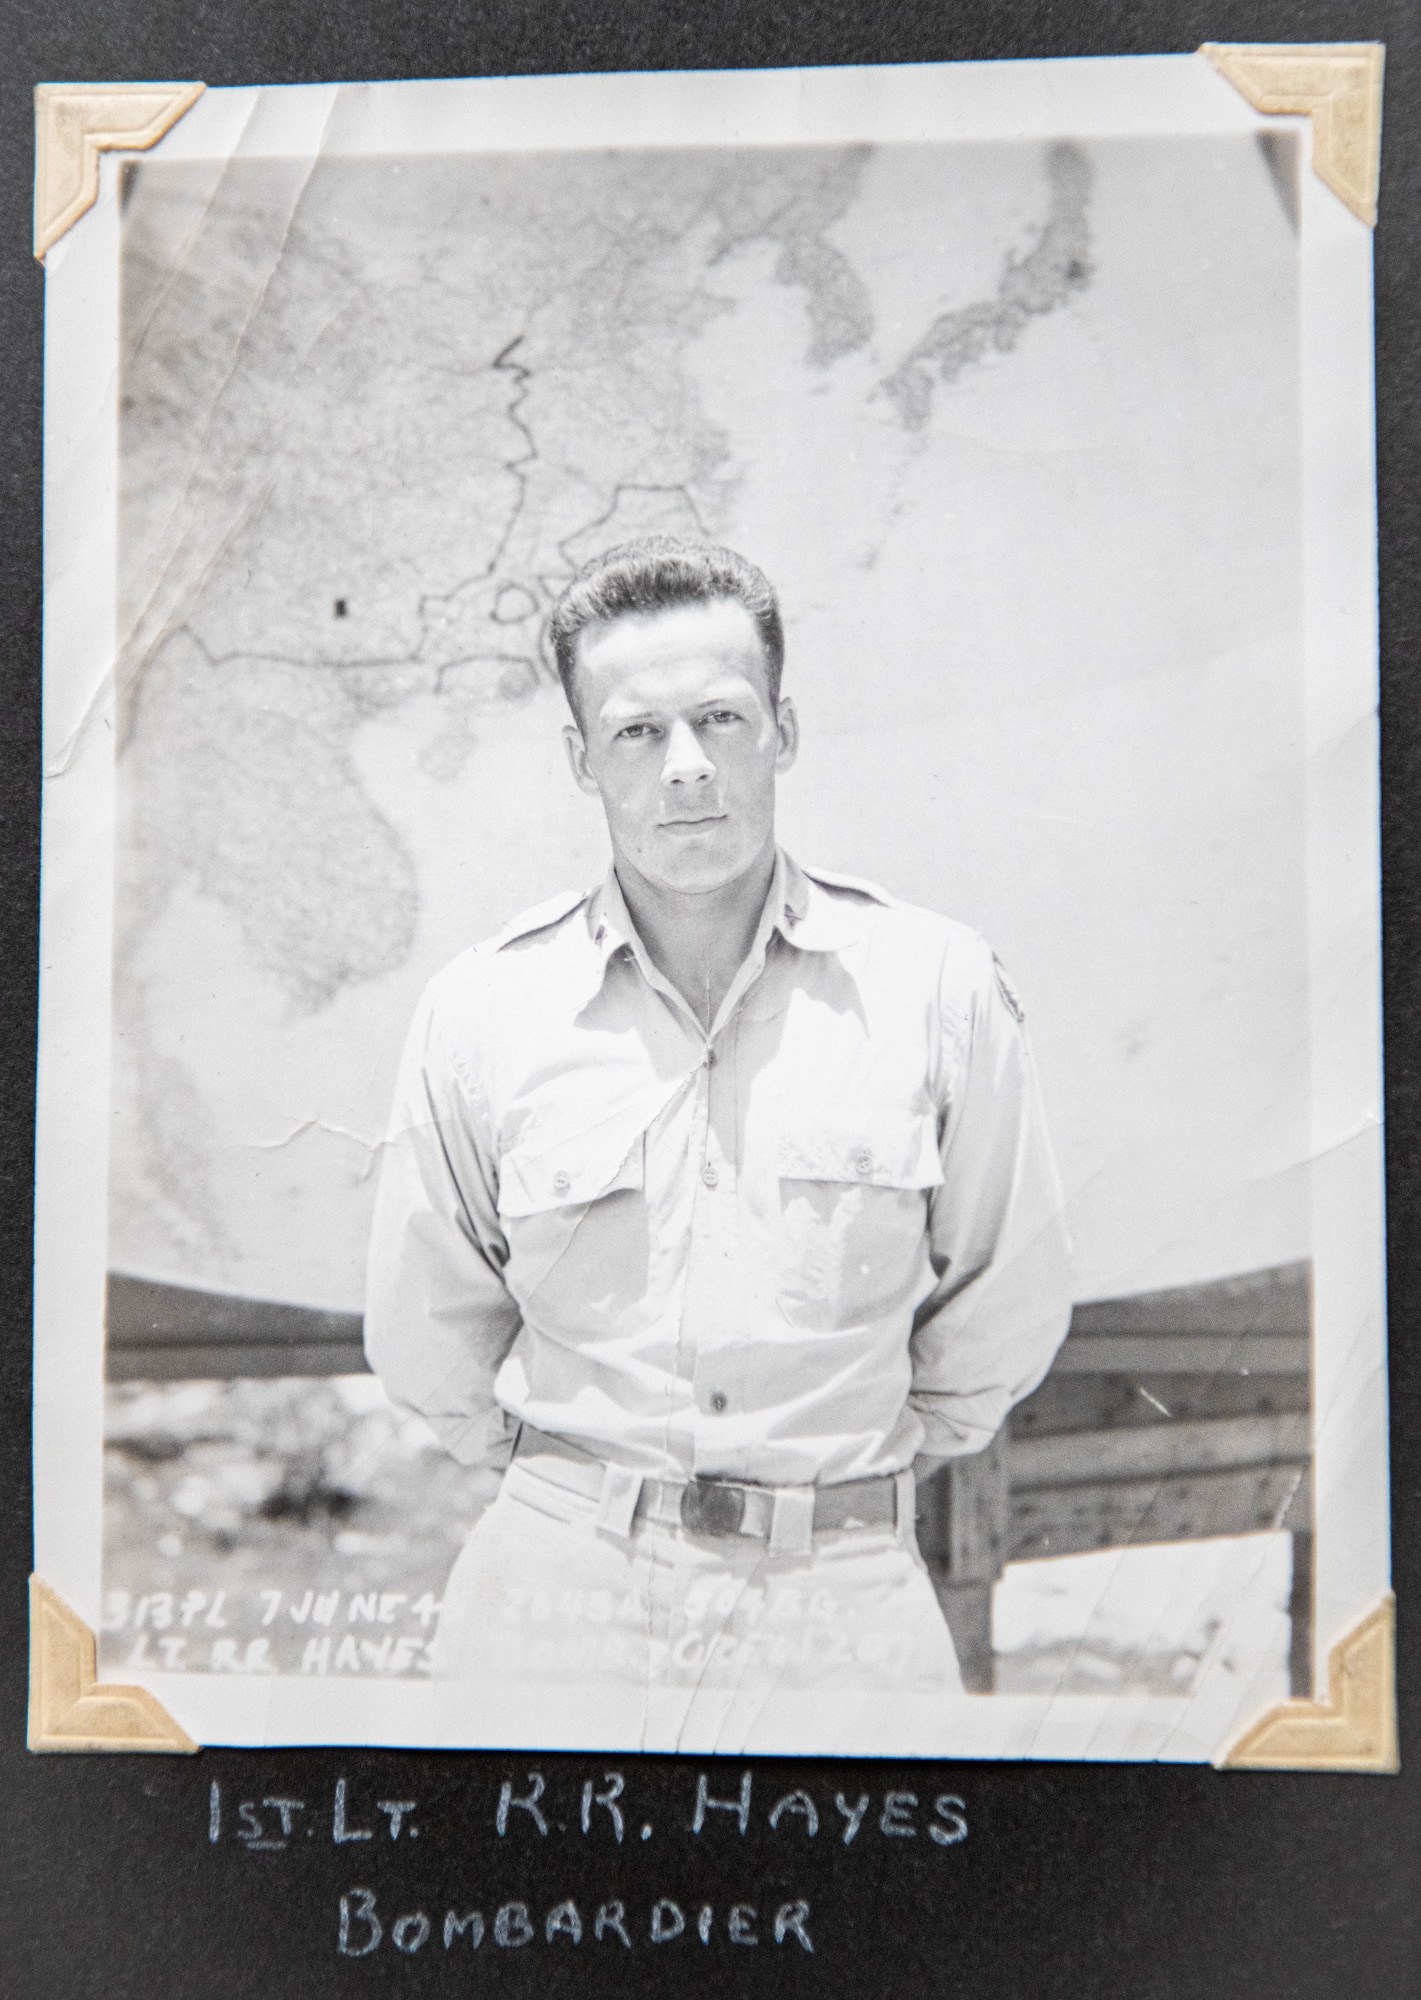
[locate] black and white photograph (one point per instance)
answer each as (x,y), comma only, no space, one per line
(711,918)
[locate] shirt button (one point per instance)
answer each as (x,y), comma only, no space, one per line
(561,1183)
(710,1058)
(718,1401)
(709,1174)
(863,1163)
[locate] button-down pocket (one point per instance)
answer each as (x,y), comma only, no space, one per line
(574,1216)
(579,1170)
(853,1218)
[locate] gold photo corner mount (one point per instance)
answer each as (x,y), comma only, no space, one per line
(1353,1730)
(74,123)
(69,1708)
(1336,84)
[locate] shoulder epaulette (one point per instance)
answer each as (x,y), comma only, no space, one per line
(541,917)
(856,885)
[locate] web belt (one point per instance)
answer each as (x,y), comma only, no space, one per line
(783,1516)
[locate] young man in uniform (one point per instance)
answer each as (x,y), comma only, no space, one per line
(714,1199)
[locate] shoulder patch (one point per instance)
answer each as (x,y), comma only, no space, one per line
(1008,992)
(541,917)
(856,885)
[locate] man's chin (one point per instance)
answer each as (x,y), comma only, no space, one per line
(690,880)
(684,867)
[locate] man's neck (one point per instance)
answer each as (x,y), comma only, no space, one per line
(699,942)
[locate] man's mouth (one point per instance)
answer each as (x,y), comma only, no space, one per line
(700,819)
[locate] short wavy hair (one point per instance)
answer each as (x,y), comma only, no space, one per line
(660,573)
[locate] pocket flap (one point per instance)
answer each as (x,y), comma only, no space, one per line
(579,1170)
(879,1153)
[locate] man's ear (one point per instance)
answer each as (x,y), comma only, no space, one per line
(577,760)
(787,726)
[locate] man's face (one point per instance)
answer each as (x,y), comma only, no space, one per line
(680,741)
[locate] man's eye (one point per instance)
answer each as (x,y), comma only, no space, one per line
(634,730)
(722,715)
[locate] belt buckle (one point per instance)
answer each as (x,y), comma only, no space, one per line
(712,1507)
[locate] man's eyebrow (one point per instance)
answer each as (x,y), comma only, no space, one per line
(614,711)
(619,712)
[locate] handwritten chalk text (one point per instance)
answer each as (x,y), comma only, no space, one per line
(361,1928)
(599,1808)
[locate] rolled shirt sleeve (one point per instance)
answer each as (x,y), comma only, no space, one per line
(1000,1307)
(438,1317)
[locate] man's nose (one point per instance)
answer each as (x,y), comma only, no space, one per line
(686,763)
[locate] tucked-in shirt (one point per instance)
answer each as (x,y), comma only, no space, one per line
(801,1247)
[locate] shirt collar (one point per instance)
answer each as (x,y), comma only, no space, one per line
(609,920)
(817,916)
(807,914)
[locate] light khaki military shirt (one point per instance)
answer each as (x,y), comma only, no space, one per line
(800,1248)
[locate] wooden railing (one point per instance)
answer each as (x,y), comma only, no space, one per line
(164,1333)
(1170,1416)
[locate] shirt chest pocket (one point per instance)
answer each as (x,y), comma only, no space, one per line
(853,1219)
(575,1220)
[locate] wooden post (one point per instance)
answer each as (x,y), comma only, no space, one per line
(1300,1615)
(967,1607)
(963,1523)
